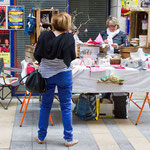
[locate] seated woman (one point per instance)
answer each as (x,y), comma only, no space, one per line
(114,38)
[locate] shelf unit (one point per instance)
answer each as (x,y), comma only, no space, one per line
(140,3)
(43,19)
(136,24)
(125,51)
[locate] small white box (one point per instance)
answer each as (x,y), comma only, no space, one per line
(106,110)
(142,40)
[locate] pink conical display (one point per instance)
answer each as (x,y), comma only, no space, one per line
(99,39)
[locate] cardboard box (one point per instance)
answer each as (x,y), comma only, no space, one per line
(115,60)
(29,50)
(142,40)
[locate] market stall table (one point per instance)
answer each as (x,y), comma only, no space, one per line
(85,81)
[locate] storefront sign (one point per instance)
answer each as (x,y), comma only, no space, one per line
(2,17)
(15,17)
(126,5)
(6,57)
(4,46)
(4,2)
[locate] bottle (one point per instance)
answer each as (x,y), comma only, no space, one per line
(144,25)
(144,4)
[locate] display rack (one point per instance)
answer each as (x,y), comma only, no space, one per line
(101,50)
(43,21)
(136,24)
(125,51)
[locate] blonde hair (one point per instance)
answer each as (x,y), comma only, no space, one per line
(114,21)
(61,22)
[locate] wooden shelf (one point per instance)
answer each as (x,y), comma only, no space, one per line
(39,13)
(46,23)
(136,18)
(49,10)
(125,51)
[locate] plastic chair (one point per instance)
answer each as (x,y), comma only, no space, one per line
(141,108)
(7,81)
(25,105)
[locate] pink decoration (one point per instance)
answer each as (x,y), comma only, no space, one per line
(99,39)
(119,67)
(86,30)
(30,68)
(96,68)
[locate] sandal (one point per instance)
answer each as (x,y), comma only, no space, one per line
(39,141)
(71,143)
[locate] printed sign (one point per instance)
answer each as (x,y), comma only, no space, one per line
(126,5)
(6,57)
(4,46)
(2,17)
(15,17)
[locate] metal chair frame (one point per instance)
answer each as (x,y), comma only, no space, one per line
(141,108)
(10,86)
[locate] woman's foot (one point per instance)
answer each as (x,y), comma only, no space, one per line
(39,141)
(71,143)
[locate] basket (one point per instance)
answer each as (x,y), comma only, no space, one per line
(115,60)
(29,50)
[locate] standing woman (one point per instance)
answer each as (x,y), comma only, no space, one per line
(54,51)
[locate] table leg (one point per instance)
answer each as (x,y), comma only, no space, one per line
(147,93)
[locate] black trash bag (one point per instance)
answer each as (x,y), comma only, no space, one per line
(120,104)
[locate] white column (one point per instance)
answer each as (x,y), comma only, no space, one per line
(116,12)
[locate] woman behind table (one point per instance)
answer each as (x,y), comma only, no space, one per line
(113,36)
(55,51)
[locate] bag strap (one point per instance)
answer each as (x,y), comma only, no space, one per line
(27,75)
(32,12)
(24,77)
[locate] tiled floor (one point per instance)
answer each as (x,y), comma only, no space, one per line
(6,124)
(104,134)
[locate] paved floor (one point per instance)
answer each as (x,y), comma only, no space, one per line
(6,124)
(104,134)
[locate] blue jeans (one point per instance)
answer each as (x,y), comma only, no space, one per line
(63,81)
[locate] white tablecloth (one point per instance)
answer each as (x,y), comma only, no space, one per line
(85,81)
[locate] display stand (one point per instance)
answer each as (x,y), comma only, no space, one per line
(43,20)
(125,51)
(101,50)
(136,18)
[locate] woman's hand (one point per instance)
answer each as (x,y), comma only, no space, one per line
(106,41)
(115,45)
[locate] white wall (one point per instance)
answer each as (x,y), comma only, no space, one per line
(116,12)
